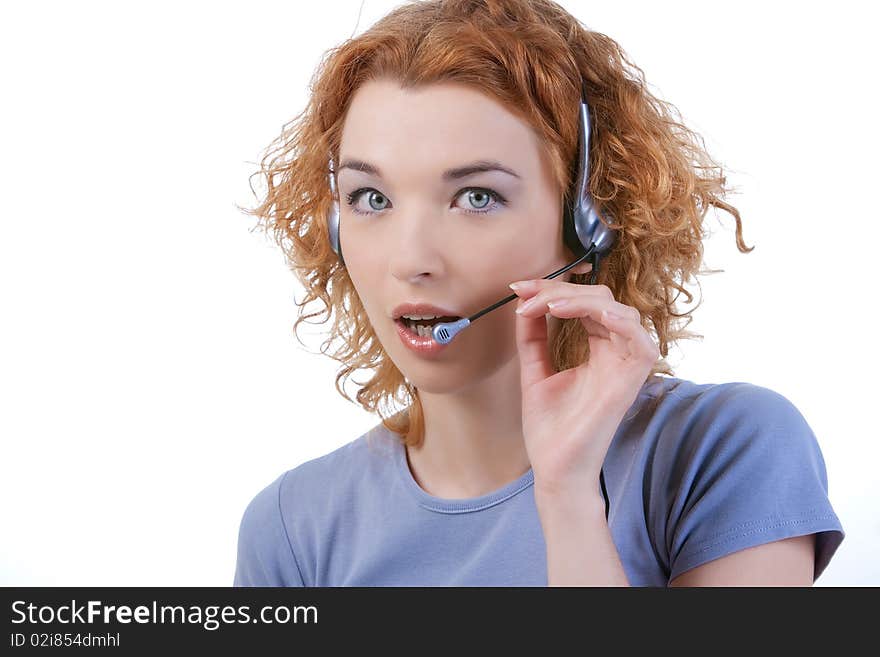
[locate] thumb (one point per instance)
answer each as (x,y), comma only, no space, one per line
(534,352)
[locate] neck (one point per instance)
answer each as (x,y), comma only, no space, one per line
(473,441)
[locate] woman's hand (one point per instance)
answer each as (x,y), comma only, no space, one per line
(570,417)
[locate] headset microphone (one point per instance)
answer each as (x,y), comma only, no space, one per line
(443,333)
(591,234)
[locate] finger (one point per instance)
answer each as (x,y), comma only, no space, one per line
(568,303)
(619,341)
(540,291)
(595,328)
(588,309)
(624,323)
(639,342)
(529,288)
(534,352)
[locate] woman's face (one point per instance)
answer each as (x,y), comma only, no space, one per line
(413,235)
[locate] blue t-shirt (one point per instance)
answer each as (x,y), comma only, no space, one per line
(693,473)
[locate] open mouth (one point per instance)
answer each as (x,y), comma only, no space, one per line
(423,327)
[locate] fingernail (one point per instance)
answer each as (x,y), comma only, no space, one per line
(521,285)
(528,304)
(557,303)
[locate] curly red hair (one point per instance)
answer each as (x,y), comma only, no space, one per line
(648,172)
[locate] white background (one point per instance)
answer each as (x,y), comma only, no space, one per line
(150,381)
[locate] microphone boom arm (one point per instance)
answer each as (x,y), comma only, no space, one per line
(445,332)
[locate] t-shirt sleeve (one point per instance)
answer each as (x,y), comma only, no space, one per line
(265,556)
(748,471)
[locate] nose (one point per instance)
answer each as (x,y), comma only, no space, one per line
(417,248)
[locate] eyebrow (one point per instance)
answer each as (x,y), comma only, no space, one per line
(480,166)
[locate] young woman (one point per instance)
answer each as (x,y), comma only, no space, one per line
(549,442)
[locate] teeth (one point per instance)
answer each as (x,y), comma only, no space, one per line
(421,316)
(421,329)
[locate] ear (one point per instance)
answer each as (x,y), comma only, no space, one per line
(582,268)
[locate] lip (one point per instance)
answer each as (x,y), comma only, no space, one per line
(421,309)
(422,346)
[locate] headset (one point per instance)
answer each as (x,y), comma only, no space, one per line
(583,232)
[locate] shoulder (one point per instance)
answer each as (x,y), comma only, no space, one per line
(327,475)
(352,466)
(735,465)
(708,431)
(694,415)
(274,521)
(686,396)
(264,556)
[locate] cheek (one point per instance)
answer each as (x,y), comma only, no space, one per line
(496,338)
(365,294)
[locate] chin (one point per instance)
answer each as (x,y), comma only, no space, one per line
(433,377)
(435,387)
(461,376)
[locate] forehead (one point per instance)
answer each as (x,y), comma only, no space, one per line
(436,126)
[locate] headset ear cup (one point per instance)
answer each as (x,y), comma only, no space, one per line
(569,234)
(335,240)
(333,215)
